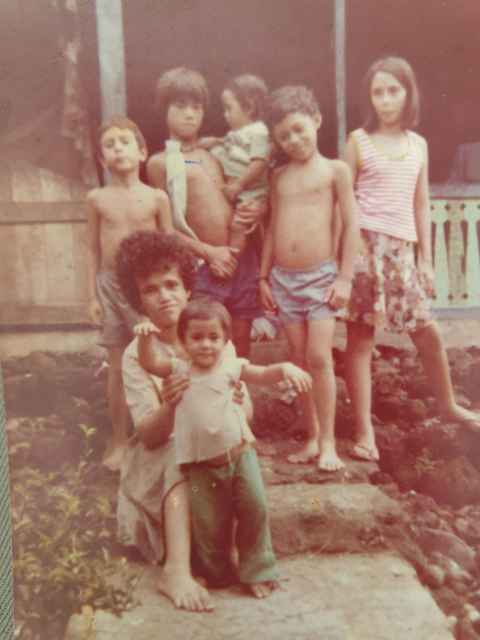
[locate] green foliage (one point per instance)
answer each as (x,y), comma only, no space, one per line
(63,532)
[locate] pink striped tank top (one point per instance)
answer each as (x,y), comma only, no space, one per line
(385,187)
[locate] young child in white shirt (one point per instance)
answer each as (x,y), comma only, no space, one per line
(213,444)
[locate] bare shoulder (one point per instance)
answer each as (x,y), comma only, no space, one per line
(156,167)
(278,173)
(94,195)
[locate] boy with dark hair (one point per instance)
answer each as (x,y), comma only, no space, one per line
(200,210)
(113,212)
(298,272)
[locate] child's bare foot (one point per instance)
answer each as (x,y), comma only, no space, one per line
(263,589)
(460,414)
(329,460)
(114,457)
(307,453)
(184,591)
(364,450)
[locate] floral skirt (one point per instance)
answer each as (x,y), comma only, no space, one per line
(388,291)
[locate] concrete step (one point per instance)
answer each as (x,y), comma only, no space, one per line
(327,597)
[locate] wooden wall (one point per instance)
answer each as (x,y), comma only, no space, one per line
(42,235)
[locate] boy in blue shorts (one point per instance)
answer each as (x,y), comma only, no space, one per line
(194,181)
(299,277)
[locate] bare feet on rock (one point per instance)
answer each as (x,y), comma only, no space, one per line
(263,589)
(464,416)
(364,451)
(329,459)
(184,591)
(308,453)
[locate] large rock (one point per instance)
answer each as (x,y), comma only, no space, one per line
(344,597)
(329,517)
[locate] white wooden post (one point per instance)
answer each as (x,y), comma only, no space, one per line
(472,268)
(442,285)
(456,254)
(111,57)
(340,75)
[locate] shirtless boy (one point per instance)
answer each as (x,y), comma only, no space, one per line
(298,272)
(182,97)
(114,212)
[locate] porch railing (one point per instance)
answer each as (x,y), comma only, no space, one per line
(456,253)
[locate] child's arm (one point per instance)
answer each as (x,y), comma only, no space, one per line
(340,291)
(93,258)
(252,173)
(423,222)
(284,371)
(209,142)
(223,257)
(148,357)
(164,213)
(266,260)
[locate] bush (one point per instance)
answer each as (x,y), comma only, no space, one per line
(63,535)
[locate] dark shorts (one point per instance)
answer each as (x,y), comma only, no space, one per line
(239,293)
(118,316)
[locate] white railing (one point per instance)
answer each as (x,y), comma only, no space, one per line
(456,253)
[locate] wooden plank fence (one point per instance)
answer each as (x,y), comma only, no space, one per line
(43,248)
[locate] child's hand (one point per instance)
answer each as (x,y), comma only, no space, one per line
(208,142)
(298,378)
(266,297)
(426,275)
(232,190)
(145,328)
(222,261)
(95,311)
(339,293)
(174,387)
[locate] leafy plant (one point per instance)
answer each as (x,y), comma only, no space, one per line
(63,534)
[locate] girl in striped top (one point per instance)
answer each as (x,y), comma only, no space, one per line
(389,163)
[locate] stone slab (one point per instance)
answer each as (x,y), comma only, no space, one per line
(331,597)
(329,517)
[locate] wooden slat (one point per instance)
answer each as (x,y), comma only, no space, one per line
(8,244)
(58,264)
(6,192)
(26,184)
(31,276)
(439,218)
(30,315)
(472,268)
(79,235)
(41,212)
(456,252)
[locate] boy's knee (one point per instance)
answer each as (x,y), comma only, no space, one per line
(318,361)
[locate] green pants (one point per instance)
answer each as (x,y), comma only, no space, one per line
(218,495)
(6,595)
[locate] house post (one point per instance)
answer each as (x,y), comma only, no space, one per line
(340,74)
(111,57)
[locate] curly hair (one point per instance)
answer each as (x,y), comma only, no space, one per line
(291,99)
(144,252)
(204,308)
(120,122)
(251,93)
(180,84)
(401,70)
